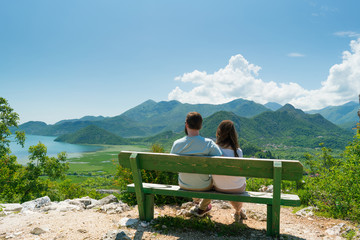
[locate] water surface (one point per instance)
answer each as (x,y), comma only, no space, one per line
(53,148)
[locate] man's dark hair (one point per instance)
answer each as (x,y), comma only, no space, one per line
(194,120)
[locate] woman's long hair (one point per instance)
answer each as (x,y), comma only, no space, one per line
(226,136)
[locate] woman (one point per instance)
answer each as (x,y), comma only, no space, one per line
(227,140)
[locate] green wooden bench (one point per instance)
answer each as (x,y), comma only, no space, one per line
(248,167)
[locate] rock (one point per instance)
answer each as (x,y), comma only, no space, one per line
(269,189)
(39,231)
(116,235)
(63,206)
(8,208)
(221,204)
(76,202)
(127,222)
(86,201)
(183,212)
(108,191)
(187,205)
(36,204)
(337,230)
(11,207)
(144,224)
(106,200)
(306,212)
(257,215)
(82,230)
(113,208)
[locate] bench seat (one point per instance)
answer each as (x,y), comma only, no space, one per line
(253,197)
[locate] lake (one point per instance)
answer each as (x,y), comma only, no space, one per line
(53,148)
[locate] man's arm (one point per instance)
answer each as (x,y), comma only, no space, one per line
(215,150)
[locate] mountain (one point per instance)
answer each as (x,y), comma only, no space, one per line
(170,115)
(287,125)
(86,118)
(273,106)
(119,125)
(92,135)
(152,120)
(147,119)
(32,127)
(344,115)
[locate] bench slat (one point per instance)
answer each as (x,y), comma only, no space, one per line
(247,167)
(254,197)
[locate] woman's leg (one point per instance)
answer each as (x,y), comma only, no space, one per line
(237,206)
(203,202)
(239,212)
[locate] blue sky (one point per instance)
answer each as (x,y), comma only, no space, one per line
(68,59)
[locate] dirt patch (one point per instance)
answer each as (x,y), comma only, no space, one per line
(91,224)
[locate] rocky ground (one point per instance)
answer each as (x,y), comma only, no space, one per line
(109,219)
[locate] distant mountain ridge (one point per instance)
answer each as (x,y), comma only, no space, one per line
(171,115)
(273,106)
(146,119)
(344,115)
(164,121)
(86,118)
(288,126)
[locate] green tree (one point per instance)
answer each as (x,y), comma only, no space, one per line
(334,184)
(9,168)
(124,177)
(22,183)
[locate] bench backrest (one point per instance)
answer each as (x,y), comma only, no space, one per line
(247,167)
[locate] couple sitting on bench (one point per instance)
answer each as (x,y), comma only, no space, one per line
(226,145)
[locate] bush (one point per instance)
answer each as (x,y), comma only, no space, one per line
(333,185)
(124,177)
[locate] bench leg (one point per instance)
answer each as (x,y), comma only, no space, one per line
(273,220)
(149,207)
(269,219)
(276,220)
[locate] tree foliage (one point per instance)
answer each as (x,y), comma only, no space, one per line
(333,185)
(18,182)
(124,177)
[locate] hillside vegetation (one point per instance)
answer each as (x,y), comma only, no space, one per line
(146,119)
(92,135)
(288,126)
(345,115)
(163,122)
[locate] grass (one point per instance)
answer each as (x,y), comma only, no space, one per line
(349,235)
(166,223)
(292,152)
(103,162)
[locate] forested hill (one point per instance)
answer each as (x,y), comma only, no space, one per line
(287,125)
(174,112)
(344,116)
(255,123)
(146,119)
(92,135)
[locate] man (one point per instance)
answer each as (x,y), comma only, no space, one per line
(194,144)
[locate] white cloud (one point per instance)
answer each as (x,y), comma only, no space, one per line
(239,79)
(295,54)
(347,34)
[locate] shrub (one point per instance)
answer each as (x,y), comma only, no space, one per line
(124,177)
(334,185)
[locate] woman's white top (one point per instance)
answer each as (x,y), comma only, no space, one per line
(229,182)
